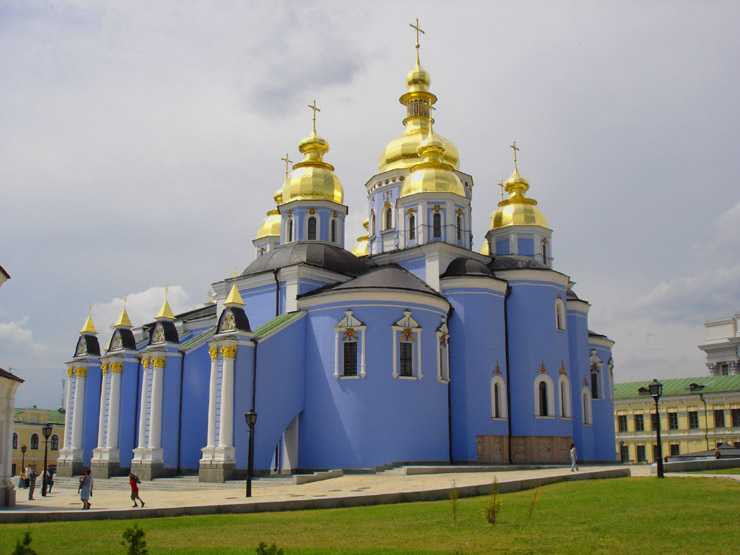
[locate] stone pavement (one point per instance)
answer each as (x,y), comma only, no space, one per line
(185,495)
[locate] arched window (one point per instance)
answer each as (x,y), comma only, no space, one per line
(586,399)
(566,410)
(459,227)
(15,441)
(412,227)
(34,441)
(333,230)
(443,353)
(544,396)
(289,235)
(544,251)
(389,218)
(372,223)
(54,443)
(498,398)
(311,228)
(559,314)
(437,224)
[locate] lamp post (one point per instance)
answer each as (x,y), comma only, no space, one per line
(251,418)
(23,460)
(656,390)
(47,434)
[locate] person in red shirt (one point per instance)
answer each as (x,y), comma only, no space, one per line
(133,479)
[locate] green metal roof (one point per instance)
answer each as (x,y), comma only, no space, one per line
(680,386)
(198,339)
(275,324)
(53,416)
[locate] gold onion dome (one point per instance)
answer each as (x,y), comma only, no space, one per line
(402,152)
(517,209)
(360,248)
(270,226)
(313,179)
(433,174)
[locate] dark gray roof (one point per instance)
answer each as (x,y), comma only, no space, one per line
(463,266)
(570,295)
(515,262)
(320,255)
(92,347)
(10,376)
(391,276)
(6,274)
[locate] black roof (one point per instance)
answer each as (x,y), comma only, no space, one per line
(320,255)
(464,266)
(92,347)
(127,338)
(170,332)
(514,262)
(390,276)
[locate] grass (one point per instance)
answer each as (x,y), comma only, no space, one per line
(628,515)
(719,471)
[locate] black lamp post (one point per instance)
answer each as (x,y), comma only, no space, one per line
(656,390)
(47,434)
(23,458)
(251,418)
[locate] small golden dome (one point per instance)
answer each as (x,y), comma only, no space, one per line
(313,179)
(433,175)
(360,248)
(485,249)
(89,327)
(234,297)
(418,79)
(123,320)
(270,225)
(517,209)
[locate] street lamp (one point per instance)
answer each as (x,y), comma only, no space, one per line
(23,458)
(656,390)
(251,418)
(46,430)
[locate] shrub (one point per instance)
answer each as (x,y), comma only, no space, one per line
(454,495)
(493,504)
(133,541)
(264,549)
(22,547)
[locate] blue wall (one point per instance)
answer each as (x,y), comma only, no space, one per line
(195,390)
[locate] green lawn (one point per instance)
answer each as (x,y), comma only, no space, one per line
(719,471)
(628,515)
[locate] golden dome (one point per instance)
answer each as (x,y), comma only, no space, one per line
(434,174)
(402,152)
(485,249)
(313,179)
(360,248)
(270,225)
(517,209)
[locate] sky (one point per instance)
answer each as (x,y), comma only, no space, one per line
(141,144)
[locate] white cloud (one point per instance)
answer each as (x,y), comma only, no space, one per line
(18,335)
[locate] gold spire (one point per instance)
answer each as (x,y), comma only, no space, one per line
(313,179)
(517,209)
(165,312)
(123,320)
(402,152)
(234,297)
(89,327)
(360,248)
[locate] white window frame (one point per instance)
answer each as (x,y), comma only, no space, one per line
(340,336)
(443,352)
(588,418)
(386,211)
(315,216)
(404,326)
(501,401)
(566,407)
(289,229)
(550,396)
(560,322)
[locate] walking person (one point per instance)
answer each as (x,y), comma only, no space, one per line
(133,479)
(49,480)
(31,476)
(85,489)
(573,458)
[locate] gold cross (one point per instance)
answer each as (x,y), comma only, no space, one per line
(418,30)
(315,109)
(287,161)
(514,148)
(501,184)
(124,301)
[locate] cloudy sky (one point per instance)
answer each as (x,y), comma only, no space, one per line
(140,146)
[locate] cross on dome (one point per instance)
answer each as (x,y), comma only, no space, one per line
(287,161)
(315,109)
(418,30)
(514,148)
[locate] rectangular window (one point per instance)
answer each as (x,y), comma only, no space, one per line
(640,453)
(407,359)
(653,421)
(736,418)
(622,421)
(719,418)
(594,385)
(639,423)
(675,451)
(350,358)
(624,453)
(693,420)
(655,453)
(673,421)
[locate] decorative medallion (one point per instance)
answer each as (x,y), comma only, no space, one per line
(117,343)
(312,210)
(228,323)
(459,211)
(407,333)
(542,369)
(410,211)
(443,339)
(585,383)
(497,369)
(81,347)
(437,207)
(562,370)
(158,336)
(349,334)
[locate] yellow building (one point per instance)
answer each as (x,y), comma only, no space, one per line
(696,414)
(28,431)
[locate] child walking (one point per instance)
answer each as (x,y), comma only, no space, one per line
(133,479)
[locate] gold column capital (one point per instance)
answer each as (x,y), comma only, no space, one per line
(81,372)
(145,362)
(70,372)
(116,367)
(103,368)
(228,352)
(158,362)
(213,353)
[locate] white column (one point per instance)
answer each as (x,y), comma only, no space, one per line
(226,430)
(81,375)
(213,352)
(67,413)
(103,399)
(155,418)
(143,402)
(114,405)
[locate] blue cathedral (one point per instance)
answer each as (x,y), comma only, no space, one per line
(412,348)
